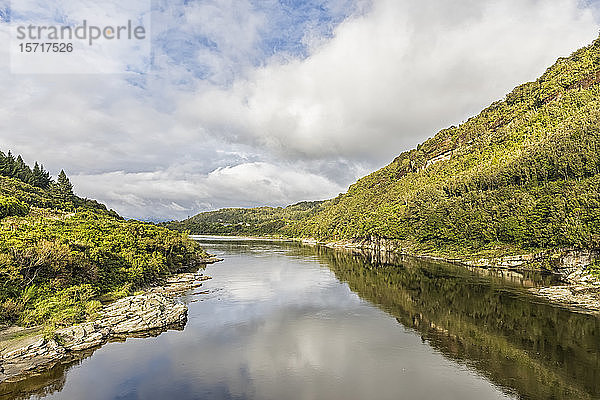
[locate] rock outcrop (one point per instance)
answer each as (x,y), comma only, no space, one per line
(582,298)
(180,283)
(143,313)
(129,315)
(155,310)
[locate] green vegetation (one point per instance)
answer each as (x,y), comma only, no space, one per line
(247,221)
(9,206)
(16,168)
(522,175)
(539,351)
(50,198)
(61,254)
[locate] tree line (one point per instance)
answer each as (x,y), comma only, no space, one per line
(15,167)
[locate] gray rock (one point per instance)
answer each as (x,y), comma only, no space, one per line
(26,351)
(582,298)
(142,313)
(34,357)
(133,314)
(83,336)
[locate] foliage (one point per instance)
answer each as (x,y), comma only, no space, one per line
(46,198)
(60,254)
(523,173)
(63,307)
(16,168)
(53,266)
(246,221)
(62,189)
(9,206)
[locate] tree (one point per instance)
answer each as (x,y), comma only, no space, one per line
(63,188)
(3,164)
(10,165)
(22,171)
(16,168)
(41,178)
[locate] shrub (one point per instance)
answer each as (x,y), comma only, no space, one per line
(10,206)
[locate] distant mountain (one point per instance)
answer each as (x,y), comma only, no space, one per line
(522,175)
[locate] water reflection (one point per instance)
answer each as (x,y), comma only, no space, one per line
(519,342)
(53,380)
(286,321)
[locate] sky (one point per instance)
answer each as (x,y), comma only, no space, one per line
(240,103)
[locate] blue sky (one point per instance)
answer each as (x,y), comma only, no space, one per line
(283,29)
(248,102)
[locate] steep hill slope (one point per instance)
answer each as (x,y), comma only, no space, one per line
(521,175)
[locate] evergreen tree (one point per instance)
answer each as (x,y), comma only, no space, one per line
(16,168)
(22,170)
(3,164)
(63,188)
(11,165)
(37,175)
(44,179)
(40,178)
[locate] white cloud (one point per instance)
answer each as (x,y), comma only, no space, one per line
(172,142)
(179,191)
(105,56)
(393,77)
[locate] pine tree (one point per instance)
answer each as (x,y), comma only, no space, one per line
(3,164)
(37,175)
(44,179)
(16,168)
(22,171)
(63,187)
(41,178)
(11,165)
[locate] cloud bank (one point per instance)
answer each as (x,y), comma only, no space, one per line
(261,103)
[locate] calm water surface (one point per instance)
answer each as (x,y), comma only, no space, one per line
(281,321)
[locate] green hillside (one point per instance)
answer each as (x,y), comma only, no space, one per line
(61,254)
(247,221)
(521,175)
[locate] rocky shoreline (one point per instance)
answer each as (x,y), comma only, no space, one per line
(581,298)
(580,291)
(27,352)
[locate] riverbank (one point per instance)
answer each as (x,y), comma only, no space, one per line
(26,352)
(579,292)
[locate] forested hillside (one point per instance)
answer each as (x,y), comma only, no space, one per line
(247,221)
(61,254)
(521,175)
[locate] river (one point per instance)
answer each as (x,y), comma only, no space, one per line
(284,321)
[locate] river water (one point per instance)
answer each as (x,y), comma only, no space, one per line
(284,321)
